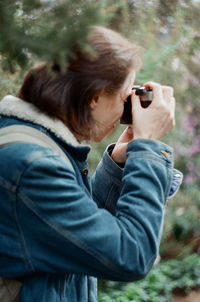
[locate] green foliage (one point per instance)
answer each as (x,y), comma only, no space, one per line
(10,82)
(159,285)
(181,226)
(49,29)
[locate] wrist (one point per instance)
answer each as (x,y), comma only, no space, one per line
(118,155)
(110,153)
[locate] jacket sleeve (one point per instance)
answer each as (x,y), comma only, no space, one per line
(107,182)
(62,230)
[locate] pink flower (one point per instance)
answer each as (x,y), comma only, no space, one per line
(195,148)
(191,166)
(189,124)
(189,179)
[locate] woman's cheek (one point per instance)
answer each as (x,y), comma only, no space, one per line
(121,110)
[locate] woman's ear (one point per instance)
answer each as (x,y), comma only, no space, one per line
(95,101)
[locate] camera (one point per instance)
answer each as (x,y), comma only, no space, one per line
(145,95)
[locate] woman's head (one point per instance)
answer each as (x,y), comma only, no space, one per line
(71,95)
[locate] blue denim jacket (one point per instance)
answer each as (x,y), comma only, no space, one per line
(60,232)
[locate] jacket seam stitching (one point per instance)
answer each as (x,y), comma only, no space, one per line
(76,242)
(28,164)
(150,156)
(20,231)
(109,204)
(22,244)
(113,179)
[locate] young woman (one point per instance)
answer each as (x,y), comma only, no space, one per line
(59,231)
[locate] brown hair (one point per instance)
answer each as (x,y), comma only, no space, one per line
(67,95)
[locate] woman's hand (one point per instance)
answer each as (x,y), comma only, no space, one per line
(152,122)
(155,121)
(119,151)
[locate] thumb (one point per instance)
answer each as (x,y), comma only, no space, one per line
(126,136)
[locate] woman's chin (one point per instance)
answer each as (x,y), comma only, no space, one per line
(101,134)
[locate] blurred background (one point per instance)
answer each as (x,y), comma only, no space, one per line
(169,34)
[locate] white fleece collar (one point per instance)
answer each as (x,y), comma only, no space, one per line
(13,106)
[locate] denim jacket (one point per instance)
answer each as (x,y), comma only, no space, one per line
(59,231)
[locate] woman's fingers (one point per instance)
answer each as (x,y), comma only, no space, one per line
(168,91)
(168,96)
(156,120)
(157,90)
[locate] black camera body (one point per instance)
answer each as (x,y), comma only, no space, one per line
(145,95)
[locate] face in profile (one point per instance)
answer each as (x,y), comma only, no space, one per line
(107,109)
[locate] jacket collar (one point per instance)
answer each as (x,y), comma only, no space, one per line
(14,107)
